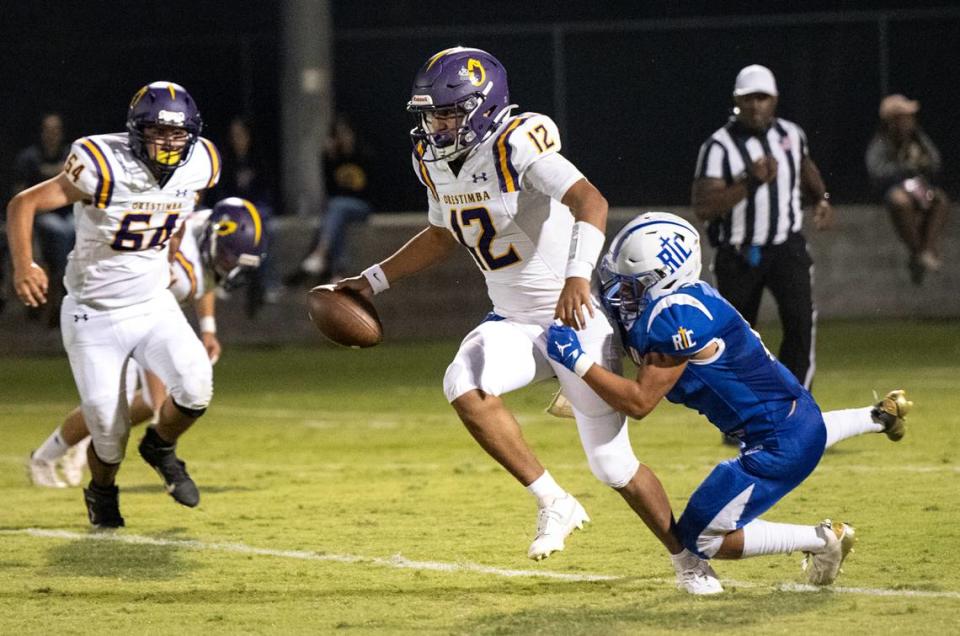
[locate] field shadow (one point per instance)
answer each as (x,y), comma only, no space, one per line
(204,489)
(677,612)
(115,559)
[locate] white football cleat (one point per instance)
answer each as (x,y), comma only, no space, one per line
(554,523)
(823,567)
(43,473)
(74,461)
(700,579)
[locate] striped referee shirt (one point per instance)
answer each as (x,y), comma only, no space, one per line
(773,212)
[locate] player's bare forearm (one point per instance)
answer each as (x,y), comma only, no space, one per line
(587,204)
(206,305)
(431,246)
(621,393)
(712,198)
(637,398)
(51,194)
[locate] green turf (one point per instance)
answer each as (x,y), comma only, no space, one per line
(339,452)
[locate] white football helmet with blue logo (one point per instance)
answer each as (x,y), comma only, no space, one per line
(650,257)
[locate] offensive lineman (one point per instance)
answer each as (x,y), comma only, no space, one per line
(534,225)
(131,192)
(219,249)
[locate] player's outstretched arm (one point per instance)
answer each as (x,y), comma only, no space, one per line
(29,280)
(431,246)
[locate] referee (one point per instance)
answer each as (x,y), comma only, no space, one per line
(750,177)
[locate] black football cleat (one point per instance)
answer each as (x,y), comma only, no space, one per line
(103,506)
(163,458)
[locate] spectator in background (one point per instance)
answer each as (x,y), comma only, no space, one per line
(346,177)
(55,230)
(903,165)
(245,175)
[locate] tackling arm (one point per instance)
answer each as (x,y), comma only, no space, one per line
(29,280)
(655,377)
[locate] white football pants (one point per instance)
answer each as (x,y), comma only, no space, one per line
(499,356)
(100,343)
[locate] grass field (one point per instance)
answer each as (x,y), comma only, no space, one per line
(340,493)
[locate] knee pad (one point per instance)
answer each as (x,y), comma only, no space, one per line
(457,380)
(194,389)
(187,411)
(615,467)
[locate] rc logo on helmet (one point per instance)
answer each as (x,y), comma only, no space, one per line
(673,254)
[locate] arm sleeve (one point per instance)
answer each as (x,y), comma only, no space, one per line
(524,140)
(710,161)
(95,179)
(435,212)
(209,177)
(553,175)
(804,144)
(680,325)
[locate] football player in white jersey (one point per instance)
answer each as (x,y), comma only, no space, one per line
(497,185)
(131,193)
(219,249)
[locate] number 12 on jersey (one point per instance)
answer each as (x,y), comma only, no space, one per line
(461,220)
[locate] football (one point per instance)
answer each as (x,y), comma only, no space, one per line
(344,316)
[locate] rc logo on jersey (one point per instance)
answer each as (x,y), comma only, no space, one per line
(683,339)
(672,252)
(473,72)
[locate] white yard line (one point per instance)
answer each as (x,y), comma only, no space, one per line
(398,561)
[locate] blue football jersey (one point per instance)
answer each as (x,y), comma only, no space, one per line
(742,389)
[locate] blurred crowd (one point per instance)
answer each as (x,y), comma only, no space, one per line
(902,162)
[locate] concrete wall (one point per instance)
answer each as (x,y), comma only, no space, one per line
(860,273)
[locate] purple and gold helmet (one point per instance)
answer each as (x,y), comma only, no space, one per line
(467,83)
(163,104)
(232,246)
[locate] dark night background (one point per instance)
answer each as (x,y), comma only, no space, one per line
(643,83)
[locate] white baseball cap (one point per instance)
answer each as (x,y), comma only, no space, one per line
(755,79)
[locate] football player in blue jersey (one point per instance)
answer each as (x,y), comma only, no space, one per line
(692,347)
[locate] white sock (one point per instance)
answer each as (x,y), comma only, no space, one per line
(685,560)
(764,537)
(849,423)
(545,489)
(52,449)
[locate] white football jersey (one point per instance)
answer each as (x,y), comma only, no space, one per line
(190,279)
(124,228)
(504,207)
